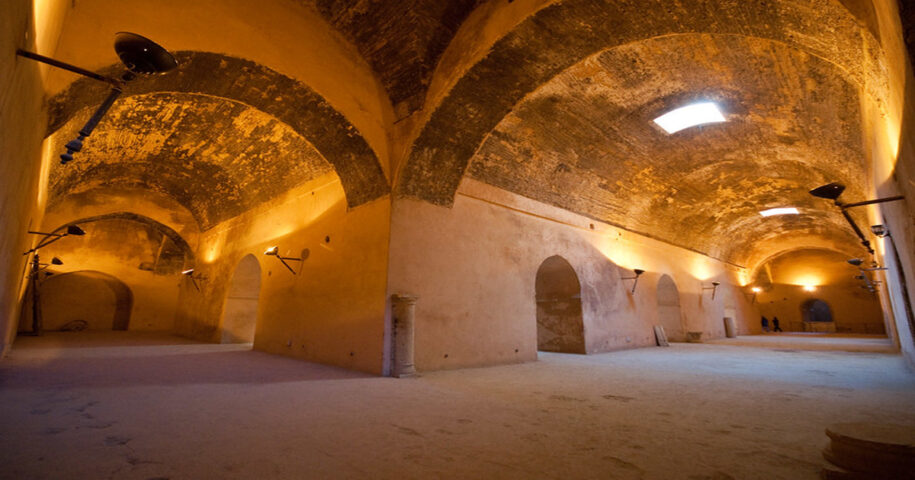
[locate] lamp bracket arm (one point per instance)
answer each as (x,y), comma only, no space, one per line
(67,66)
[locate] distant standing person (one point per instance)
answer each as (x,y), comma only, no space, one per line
(765,323)
(775,327)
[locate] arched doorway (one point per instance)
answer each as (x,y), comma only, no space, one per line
(669,309)
(85,300)
(816,311)
(239,315)
(560,327)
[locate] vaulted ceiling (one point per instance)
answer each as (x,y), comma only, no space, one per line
(554,103)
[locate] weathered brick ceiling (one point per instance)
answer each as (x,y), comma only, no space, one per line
(401,40)
(216,157)
(561,35)
(220,134)
(585,141)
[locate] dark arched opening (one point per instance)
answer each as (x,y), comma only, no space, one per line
(85,300)
(560,327)
(239,317)
(816,311)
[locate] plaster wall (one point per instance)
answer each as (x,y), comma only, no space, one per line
(890,139)
(474,266)
(332,310)
(854,310)
(102,301)
(23,24)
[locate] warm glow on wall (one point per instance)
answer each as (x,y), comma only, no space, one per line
(810,288)
(700,268)
(213,243)
(807,281)
(48,155)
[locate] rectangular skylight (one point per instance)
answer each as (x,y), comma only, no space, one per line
(779,211)
(690,116)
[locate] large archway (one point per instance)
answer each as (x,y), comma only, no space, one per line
(239,317)
(560,327)
(669,315)
(817,316)
(87,300)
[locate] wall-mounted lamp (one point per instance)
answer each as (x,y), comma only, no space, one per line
(858,262)
(638,273)
(713,288)
(755,291)
(189,273)
(880,230)
(50,238)
(36,268)
(868,283)
(274,251)
(139,54)
(832,191)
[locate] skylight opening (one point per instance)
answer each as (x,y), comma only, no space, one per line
(779,211)
(690,116)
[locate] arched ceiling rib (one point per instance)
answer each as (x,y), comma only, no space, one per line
(562,34)
(216,157)
(585,141)
(244,82)
(402,40)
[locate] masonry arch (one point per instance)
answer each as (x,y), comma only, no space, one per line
(302,137)
(669,314)
(100,300)
(239,315)
(560,324)
(815,310)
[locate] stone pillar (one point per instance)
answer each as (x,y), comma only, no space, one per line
(403,307)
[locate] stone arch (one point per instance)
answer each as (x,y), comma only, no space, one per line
(814,310)
(239,313)
(562,34)
(165,230)
(560,323)
(101,300)
(248,83)
(669,315)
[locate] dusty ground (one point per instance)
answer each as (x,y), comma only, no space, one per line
(133,406)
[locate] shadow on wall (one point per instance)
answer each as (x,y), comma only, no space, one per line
(85,299)
(239,317)
(560,326)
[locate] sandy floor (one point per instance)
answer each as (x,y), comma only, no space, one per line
(147,407)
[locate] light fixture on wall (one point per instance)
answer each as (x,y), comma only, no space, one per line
(138,54)
(809,288)
(832,191)
(52,237)
(37,267)
(189,273)
(713,288)
(638,273)
(880,231)
(858,263)
(755,291)
(869,285)
(274,251)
